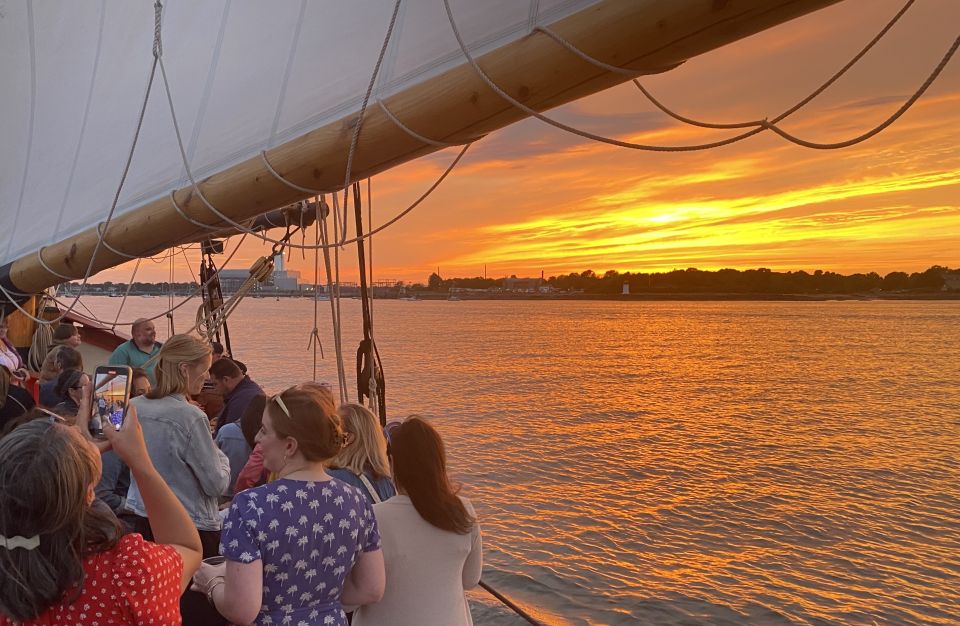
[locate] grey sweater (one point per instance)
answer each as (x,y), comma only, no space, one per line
(179,443)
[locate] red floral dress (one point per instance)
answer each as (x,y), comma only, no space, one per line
(135,583)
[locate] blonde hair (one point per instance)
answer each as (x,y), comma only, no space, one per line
(368,451)
(176,350)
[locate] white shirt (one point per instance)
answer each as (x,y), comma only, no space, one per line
(427,569)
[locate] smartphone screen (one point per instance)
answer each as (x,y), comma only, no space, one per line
(111,393)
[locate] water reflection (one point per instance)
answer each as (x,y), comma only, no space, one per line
(668,463)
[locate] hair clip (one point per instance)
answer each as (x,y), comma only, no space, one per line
(27,543)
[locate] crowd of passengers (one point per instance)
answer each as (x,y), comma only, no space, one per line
(215,503)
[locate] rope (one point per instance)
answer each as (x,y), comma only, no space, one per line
(363,109)
(314,341)
(418,136)
(883,125)
(116,198)
(761,125)
(341,379)
(125,294)
(41,342)
(510,604)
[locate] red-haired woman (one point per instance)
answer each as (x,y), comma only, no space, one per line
(430,537)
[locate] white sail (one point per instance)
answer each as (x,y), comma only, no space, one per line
(245,76)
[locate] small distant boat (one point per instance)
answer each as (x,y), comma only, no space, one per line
(453,299)
(409,298)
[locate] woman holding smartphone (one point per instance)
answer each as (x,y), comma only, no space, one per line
(60,555)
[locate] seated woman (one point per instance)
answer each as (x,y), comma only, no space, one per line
(69,389)
(9,356)
(178,438)
(65,335)
(66,359)
(300,546)
(363,460)
(60,556)
(431,539)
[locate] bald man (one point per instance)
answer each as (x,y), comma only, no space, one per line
(143,345)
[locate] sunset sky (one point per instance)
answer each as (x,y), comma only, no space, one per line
(532,198)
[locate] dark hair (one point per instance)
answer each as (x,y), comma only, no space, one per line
(217,347)
(252,418)
(139,372)
(313,421)
(69,358)
(420,468)
(45,477)
(64,331)
(65,381)
(225,368)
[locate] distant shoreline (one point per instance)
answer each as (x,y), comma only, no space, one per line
(759,297)
(635,297)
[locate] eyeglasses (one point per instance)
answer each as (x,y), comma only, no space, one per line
(51,417)
(279,401)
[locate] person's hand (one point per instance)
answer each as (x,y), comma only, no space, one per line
(206,573)
(20,373)
(128,441)
(85,408)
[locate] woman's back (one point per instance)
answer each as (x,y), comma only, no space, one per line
(307,535)
(136,582)
(427,569)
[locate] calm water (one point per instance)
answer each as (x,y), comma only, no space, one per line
(676,463)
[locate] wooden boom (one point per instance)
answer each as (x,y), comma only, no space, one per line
(646,36)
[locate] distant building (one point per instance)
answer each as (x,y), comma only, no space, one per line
(626,289)
(280,280)
(526,285)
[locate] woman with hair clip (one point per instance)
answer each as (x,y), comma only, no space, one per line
(363,460)
(64,560)
(301,546)
(179,442)
(432,546)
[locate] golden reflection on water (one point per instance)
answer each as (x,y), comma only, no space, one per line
(680,462)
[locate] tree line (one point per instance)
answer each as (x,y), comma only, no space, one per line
(692,280)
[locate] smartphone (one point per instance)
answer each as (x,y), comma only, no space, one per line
(111,394)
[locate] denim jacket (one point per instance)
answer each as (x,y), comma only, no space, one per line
(178,440)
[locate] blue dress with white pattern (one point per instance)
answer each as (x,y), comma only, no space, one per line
(308,535)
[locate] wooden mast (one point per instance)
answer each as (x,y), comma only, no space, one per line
(647,36)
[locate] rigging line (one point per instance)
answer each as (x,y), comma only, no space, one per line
(830,81)
(157,10)
(880,127)
(240,227)
(126,294)
(370,243)
(315,334)
(333,311)
(336,269)
(533,112)
(636,146)
(196,291)
(433,142)
(510,604)
(796,107)
(363,110)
